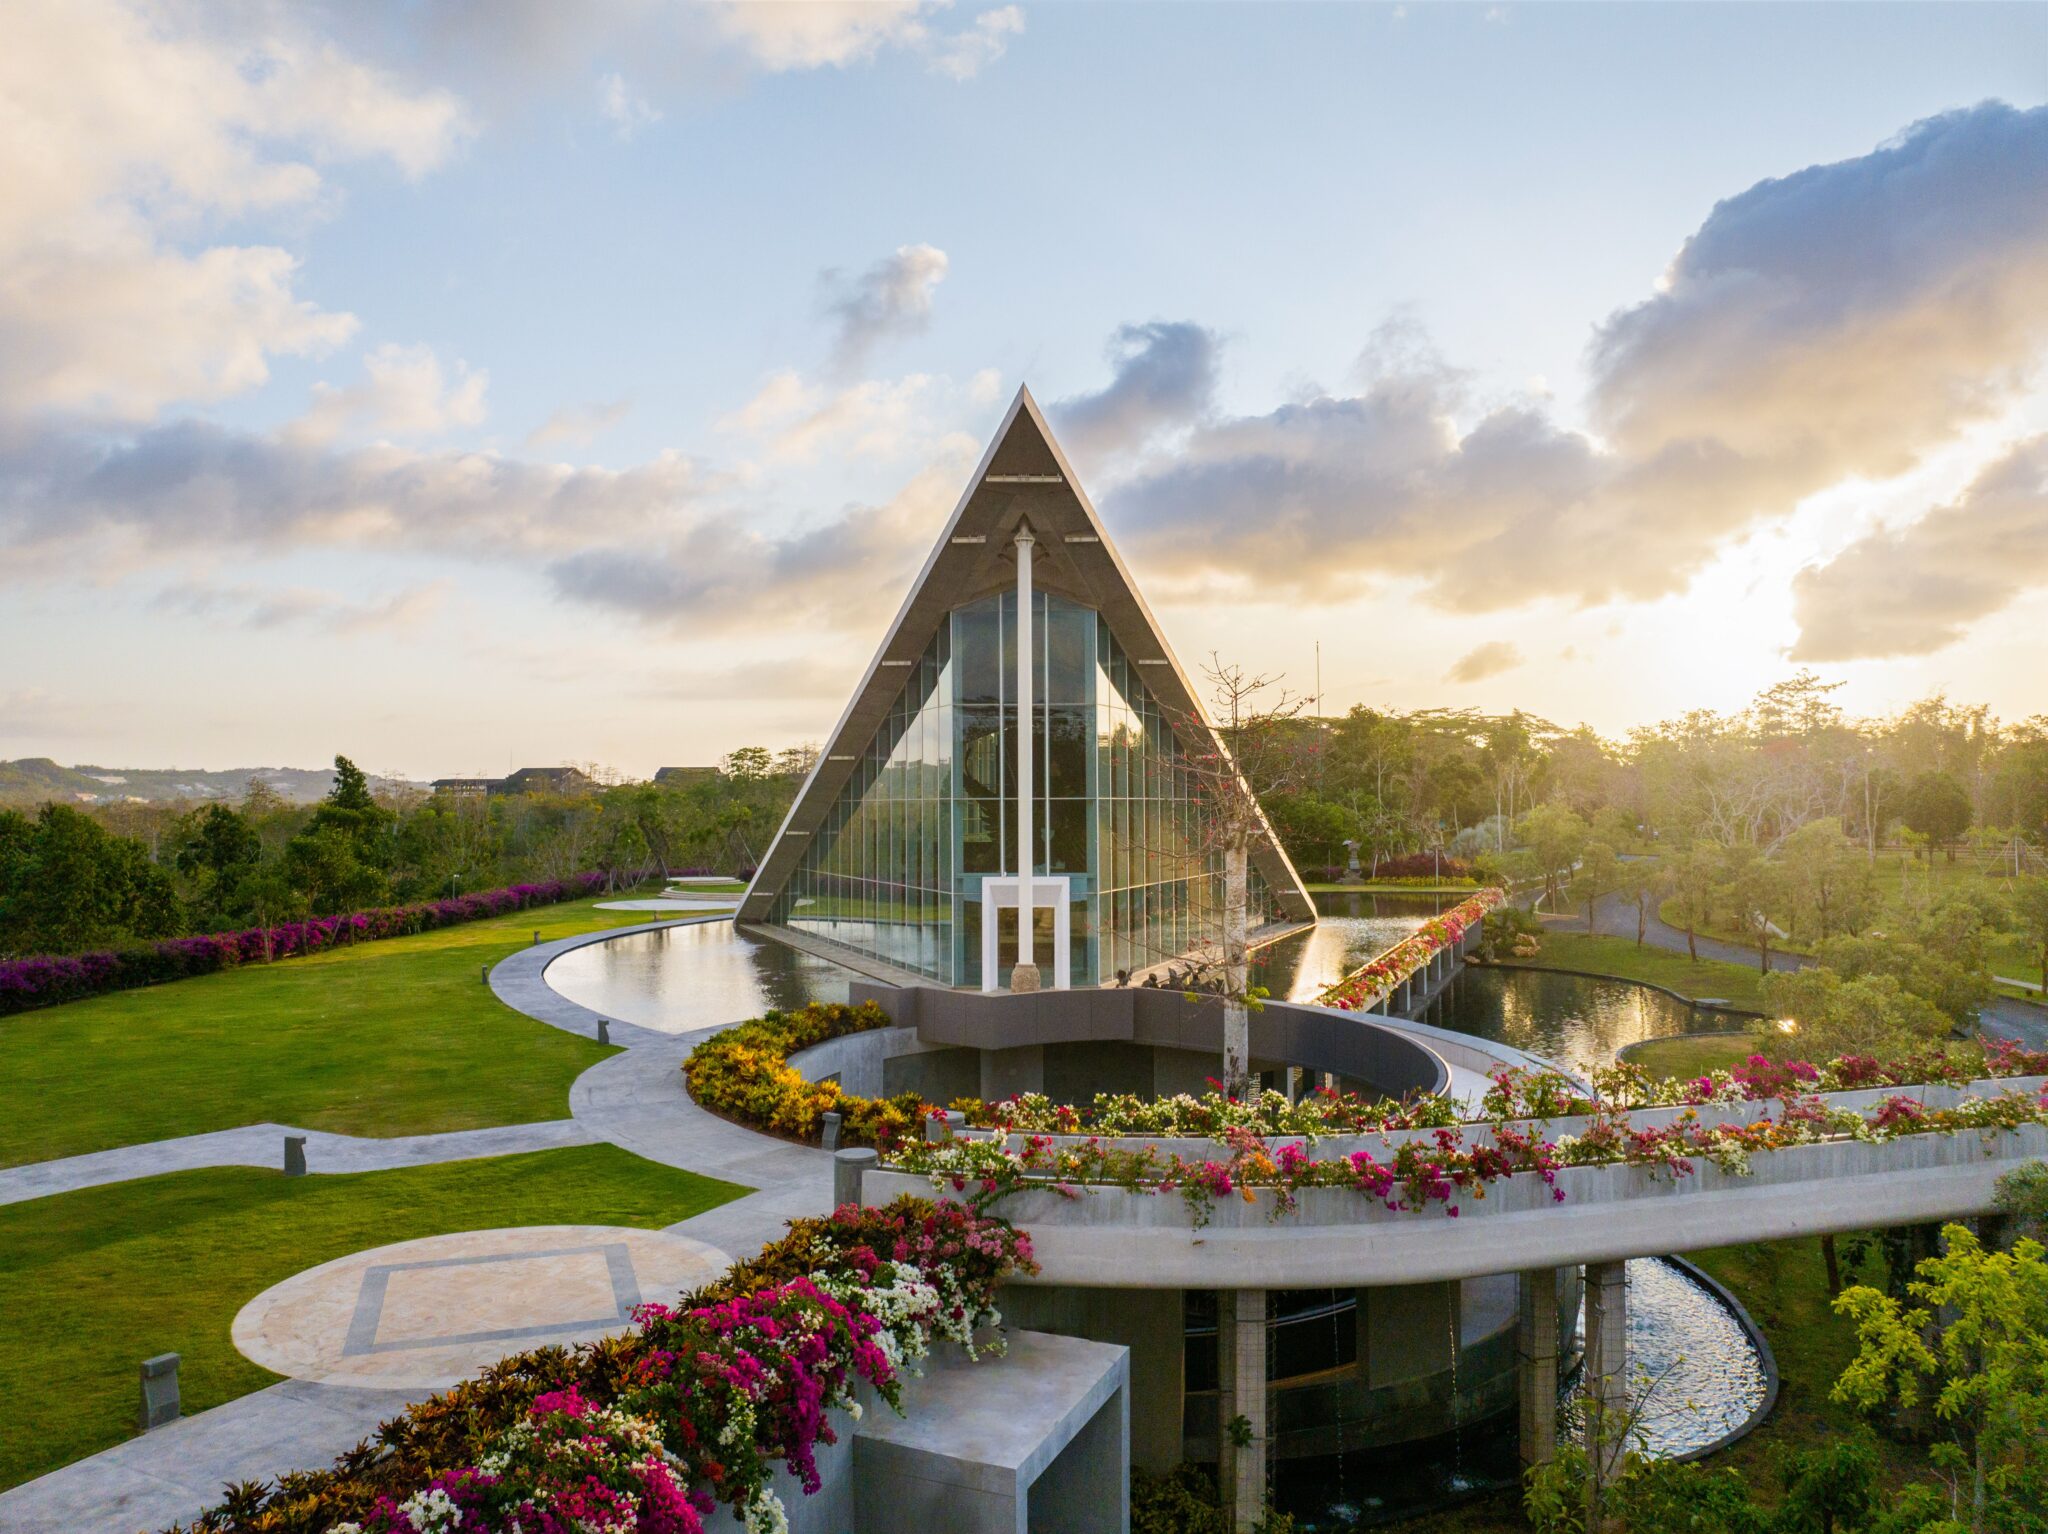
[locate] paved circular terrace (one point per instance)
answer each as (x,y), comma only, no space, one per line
(425,1314)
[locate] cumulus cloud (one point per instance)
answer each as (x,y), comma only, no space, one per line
(259,608)
(579,425)
(837,33)
(124,127)
(1915,589)
(405,393)
(725,569)
(891,299)
(192,484)
(623,107)
(1844,321)
(1162,376)
(796,421)
(1483,661)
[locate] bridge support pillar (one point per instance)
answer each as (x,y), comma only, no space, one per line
(1536,1364)
(1606,1376)
(1241,1403)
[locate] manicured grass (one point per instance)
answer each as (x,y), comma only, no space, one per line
(1601,954)
(1688,1056)
(707,887)
(397,1037)
(93,1282)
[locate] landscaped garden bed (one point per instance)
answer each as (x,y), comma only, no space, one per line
(696,1406)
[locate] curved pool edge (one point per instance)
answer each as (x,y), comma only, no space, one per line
(1766,1359)
(519,980)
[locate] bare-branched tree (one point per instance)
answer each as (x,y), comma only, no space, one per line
(1252,749)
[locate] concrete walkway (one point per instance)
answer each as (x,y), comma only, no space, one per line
(635,1099)
(263,1145)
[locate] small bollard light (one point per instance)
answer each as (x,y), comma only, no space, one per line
(847,1166)
(159,1391)
(536,939)
(295,1155)
(828,1135)
(604,1031)
(483,973)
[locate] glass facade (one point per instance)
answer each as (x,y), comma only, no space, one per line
(895,869)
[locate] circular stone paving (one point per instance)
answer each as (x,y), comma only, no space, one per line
(424,1314)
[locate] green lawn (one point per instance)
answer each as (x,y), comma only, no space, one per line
(397,1037)
(93,1282)
(1735,984)
(1691,1055)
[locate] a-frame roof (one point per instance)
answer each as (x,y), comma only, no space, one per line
(1022,476)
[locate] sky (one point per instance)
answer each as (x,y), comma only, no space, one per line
(461,386)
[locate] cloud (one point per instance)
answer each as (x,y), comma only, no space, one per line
(799,676)
(1163,375)
(965,54)
(405,394)
(891,299)
(722,570)
(838,33)
(1916,589)
(624,108)
(191,484)
(579,424)
(1483,661)
(261,609)
(127,133)
(797,421)
(1845,321)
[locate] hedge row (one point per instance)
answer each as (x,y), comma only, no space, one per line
(45,981)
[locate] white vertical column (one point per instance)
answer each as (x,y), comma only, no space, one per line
(1025,977)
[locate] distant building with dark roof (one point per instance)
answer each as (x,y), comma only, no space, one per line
(527,780)
(683,777)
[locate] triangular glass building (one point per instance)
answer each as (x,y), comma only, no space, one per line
(900,856)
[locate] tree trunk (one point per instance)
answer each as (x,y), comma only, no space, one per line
(1642,921)
(1236,972)
(1827,1252)
(1590,928)
(1691,943)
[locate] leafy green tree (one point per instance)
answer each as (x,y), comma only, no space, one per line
(1976,1349)
(1645,884)
(1599,873)
(1831,1017)
(1555,836)
(1957,989)
(1827,886)
(1312,830)
(1695,883)
(1938,808)
(71,886)
(219,850)
(749,764)
(339,861)
(1753,885)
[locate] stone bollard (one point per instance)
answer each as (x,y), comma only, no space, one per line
(941,1127)
(847,1166)
(604,1030)
(295,1155)
(159,1390)
(828,1133)
(536,939)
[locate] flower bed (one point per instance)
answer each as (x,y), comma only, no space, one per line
(1444,1166)
(646,1432)
(743,1073)
(1365,987)
(45,981)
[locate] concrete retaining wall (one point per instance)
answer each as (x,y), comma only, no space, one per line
(1118,1238)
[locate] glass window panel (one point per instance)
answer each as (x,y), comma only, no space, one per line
(1066,774)
(1069,831)
(977,653)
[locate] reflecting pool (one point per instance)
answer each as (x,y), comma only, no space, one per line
(679,979)
(1575,1021)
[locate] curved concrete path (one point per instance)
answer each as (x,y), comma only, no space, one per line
(262,1145)
(634,1099)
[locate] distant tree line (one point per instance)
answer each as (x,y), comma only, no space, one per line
(74,878)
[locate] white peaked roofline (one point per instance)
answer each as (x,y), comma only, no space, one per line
(925,606)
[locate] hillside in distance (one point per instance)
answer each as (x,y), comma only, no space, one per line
(37,780)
